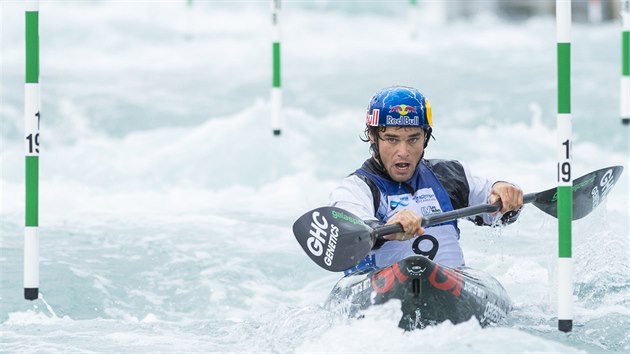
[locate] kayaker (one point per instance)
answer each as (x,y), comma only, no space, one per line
(397,185)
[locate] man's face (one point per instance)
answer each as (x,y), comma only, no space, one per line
(400,149)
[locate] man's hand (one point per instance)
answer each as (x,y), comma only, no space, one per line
(511,196)
(410,222)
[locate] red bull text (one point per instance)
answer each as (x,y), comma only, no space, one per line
(403,120)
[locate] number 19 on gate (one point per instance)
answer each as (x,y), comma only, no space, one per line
(564,163)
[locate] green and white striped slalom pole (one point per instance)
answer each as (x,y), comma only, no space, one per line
(31,132)
(625,62)
(565,180)
(276,91)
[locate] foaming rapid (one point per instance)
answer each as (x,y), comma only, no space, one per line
(166,204)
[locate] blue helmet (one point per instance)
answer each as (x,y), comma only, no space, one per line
(399,106)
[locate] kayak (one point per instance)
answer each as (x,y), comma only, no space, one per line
(429,293)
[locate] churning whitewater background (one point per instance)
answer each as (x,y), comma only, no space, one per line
(166,203)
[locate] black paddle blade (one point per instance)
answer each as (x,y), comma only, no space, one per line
(333,238)
(589,191)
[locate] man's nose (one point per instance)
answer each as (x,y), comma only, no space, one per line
(403,149)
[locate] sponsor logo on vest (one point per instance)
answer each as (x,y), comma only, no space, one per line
(395,201)
(423,197)
(319,233)
(430,210)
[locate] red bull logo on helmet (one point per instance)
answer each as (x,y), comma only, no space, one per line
(407,115)
(402,109)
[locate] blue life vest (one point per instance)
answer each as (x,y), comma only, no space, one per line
(424,194)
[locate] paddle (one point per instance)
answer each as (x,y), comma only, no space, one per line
(336,239)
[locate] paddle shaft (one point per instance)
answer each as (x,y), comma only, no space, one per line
(449,215)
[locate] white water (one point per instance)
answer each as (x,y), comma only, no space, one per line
(166,204)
